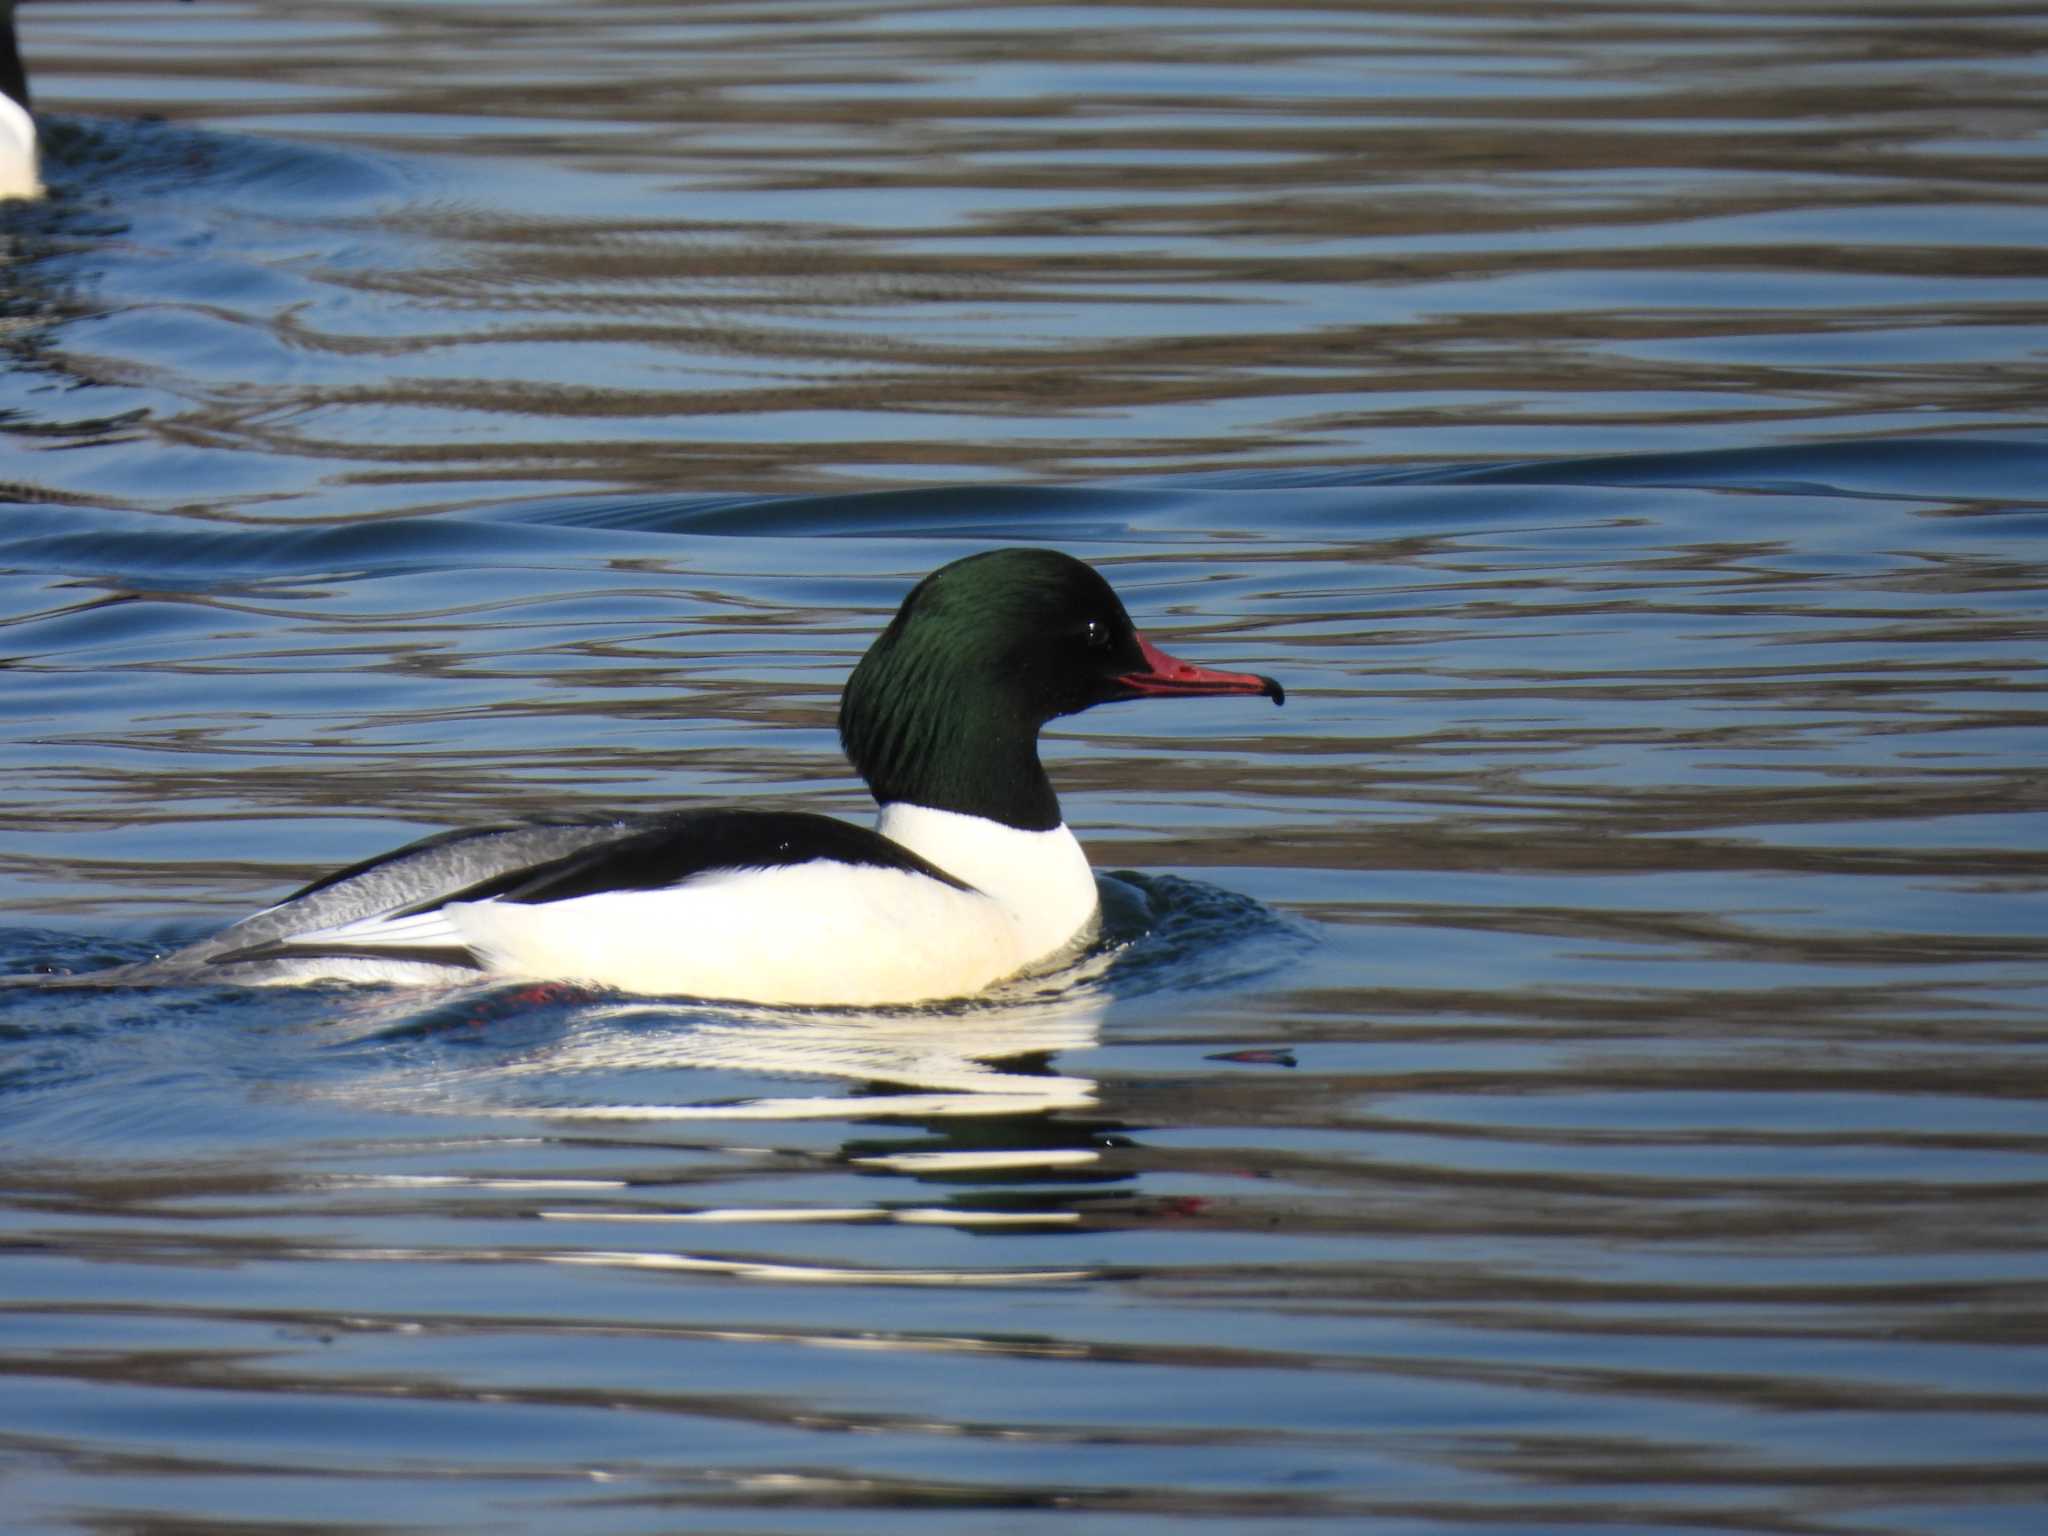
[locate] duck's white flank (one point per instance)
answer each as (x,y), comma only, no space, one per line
(821,933)
(18,169)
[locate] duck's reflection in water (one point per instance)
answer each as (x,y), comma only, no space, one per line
(558,1054)
(953,1116)
(924,1064)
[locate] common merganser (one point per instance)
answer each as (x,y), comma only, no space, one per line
(20,173)
(968,877)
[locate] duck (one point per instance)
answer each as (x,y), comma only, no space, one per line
(968,877)
(20,158)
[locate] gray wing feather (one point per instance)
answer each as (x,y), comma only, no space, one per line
(418,876)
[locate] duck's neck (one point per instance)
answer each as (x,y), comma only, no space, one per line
(974,756)
(1008,788)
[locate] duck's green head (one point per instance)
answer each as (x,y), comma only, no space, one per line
(945,708)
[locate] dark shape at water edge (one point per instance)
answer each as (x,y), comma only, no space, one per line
(1965,470)
(1033,513)
(1997,468)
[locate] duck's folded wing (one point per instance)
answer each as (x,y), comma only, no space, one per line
(665,851)
(418,877)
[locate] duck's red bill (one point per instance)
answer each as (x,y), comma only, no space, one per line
(1166,674)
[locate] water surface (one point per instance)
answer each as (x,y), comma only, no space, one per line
(1579,1067)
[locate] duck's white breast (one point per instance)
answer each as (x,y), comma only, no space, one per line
(1040,879)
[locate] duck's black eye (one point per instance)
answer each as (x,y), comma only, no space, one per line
(1097,635)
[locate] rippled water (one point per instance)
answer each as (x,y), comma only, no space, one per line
(1579,1067)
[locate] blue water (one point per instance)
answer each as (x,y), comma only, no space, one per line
(1578,1067)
